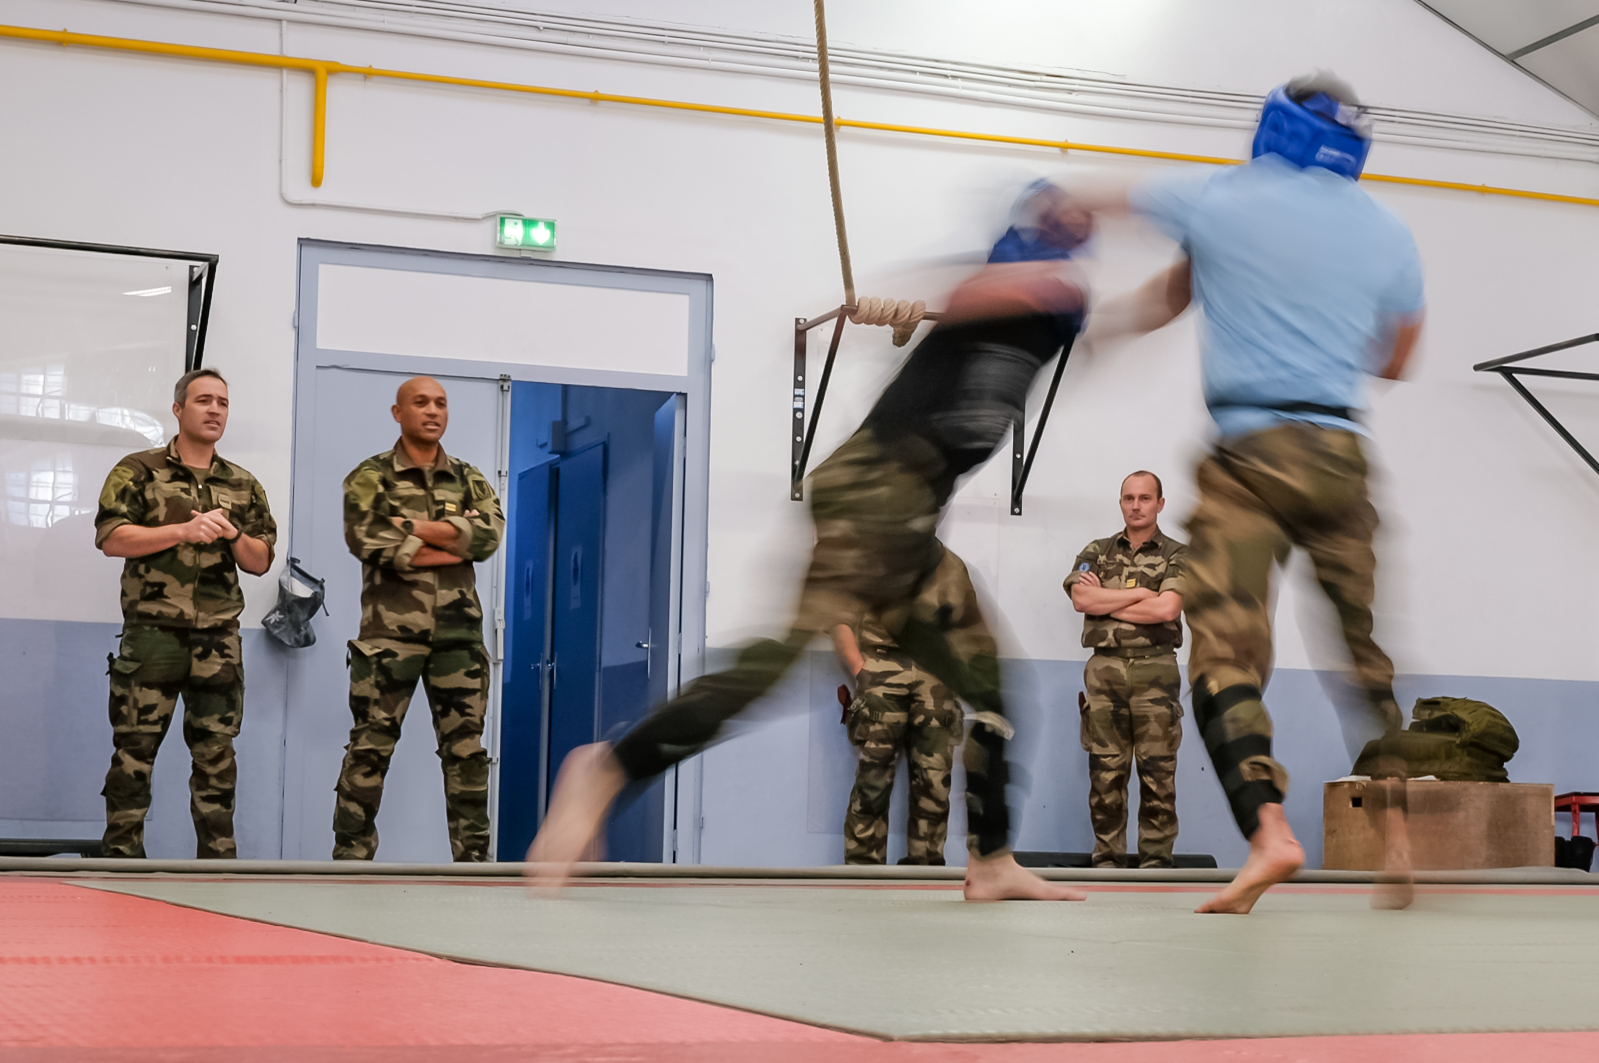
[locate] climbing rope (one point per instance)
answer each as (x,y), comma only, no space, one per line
(900,314)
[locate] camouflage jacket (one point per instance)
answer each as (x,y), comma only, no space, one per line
(190,585)
(1157,564)
(399,601)
(950,586)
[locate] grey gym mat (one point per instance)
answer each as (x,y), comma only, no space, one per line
(1132,962)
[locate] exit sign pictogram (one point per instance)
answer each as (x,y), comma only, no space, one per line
(536,233)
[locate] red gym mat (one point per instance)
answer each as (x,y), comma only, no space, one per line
(91,975)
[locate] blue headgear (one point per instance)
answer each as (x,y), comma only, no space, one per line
(1025,240)
(1318,131)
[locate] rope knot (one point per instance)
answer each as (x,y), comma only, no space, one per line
(902,315)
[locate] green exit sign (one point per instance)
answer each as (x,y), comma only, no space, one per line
(526,232)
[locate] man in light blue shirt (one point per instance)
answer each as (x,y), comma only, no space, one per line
(1306,286)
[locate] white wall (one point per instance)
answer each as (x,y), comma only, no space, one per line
(163,152)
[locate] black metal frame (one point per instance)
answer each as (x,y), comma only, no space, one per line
(1502,367)
(804,434)
(202,281)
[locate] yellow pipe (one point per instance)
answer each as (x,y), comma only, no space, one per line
(319,126)
(321,68)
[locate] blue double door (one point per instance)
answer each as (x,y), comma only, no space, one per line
(589,608)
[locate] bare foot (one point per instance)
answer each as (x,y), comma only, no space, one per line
(588,782)
(1001,878)
(1274,855)
(1395,887)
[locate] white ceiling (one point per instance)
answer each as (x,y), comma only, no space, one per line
(1556,41)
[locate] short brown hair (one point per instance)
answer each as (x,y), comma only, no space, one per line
(1160,492)
(180,391)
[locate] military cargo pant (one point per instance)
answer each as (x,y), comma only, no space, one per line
(1133,712)
(1259,496)
(875,511)
(383,677)
(153,667)
(900,707)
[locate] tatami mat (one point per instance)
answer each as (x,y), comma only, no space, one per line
(902,962)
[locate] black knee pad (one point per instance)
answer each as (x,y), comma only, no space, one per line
(1209,707)
(1228,753)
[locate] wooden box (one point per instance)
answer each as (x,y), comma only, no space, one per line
(1453,825)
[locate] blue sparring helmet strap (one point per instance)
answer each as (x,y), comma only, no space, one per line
(1320,131)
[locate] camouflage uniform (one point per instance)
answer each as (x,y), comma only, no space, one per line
(875,506)
(1133,709)
(180,636)
(417,623)
(1261,494)
(900,706)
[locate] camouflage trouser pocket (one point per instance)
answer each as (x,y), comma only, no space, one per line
(155,655)
(387,663)
(860,720)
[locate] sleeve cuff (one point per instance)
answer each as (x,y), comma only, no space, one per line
(462,547)
(103,530)
(405,552)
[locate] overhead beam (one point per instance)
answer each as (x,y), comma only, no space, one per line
(1553,38)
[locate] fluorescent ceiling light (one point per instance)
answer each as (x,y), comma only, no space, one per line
(147,292)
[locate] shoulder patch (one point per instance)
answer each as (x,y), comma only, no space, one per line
(123,474)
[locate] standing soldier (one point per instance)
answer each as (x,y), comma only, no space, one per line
(186,521)
(900,706)
(1130,589)
(418,519)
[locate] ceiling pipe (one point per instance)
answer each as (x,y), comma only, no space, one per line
(320,69)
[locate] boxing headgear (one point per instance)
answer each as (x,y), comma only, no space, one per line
(1317,131)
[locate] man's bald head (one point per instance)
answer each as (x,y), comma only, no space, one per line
(423,412)
(415,384)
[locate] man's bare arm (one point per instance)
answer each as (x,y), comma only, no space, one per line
(439,536)
(133,540)
(1011,289)
(1105,601)
(1152,305)
(433,557)
(1155,610)
(1405,336)
(251,554)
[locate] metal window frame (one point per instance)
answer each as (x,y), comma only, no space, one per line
(202,281)
(1503,366)
(804,434)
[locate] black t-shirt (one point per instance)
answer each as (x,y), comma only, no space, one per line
(965,385)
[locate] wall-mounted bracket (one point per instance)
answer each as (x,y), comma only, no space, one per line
(1503,366)
(1021,468)
(802,433)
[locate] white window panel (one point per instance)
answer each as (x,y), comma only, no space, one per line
(440,315)
(92,344)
